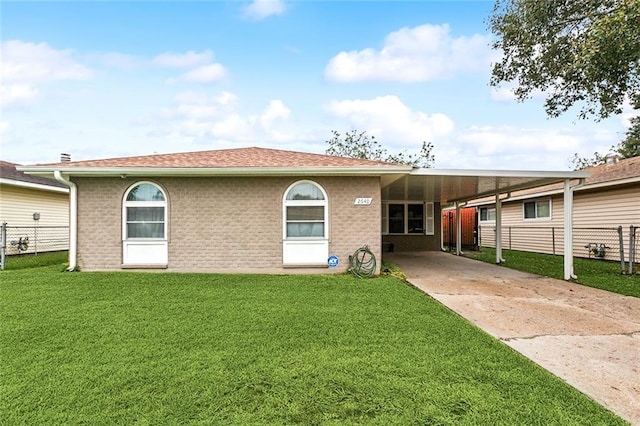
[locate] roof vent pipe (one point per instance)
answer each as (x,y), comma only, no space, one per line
(65,158)
(612,158)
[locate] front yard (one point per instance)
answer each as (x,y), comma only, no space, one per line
(105,348)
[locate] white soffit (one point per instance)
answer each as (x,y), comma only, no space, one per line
(465,185)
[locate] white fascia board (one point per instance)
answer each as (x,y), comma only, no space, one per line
(587,187)
(502,173)
(31,185)
(223,171)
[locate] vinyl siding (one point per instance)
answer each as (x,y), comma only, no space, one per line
(596,215)
(17,206)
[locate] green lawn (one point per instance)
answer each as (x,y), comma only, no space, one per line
(590,272)
(24,261)
(157,348)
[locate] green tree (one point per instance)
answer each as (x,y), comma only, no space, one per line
(579,52)
(583,53)
(356,144)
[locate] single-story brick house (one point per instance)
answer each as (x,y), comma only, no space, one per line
(259,210)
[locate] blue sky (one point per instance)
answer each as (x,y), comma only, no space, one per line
(111,79)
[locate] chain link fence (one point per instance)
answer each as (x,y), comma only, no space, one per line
(620,244)
(22,244)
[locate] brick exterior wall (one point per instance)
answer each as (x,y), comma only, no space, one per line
(225,224)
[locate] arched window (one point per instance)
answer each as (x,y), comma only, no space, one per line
(305,211)
(145,212)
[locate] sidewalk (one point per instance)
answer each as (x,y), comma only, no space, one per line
(588,337)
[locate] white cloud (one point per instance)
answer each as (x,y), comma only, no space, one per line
(18,95)
(261,9)
(114,60)
(514,148)
(628,112)
(26,62)
(216,118)
(205,74)
(4,127)
(391,121)
(423,53)
(183,60)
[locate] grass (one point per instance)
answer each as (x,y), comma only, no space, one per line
(25,261)
(153,348)
(591,272)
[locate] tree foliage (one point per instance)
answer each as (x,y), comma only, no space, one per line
(583,53)
(356,144)
(578,52)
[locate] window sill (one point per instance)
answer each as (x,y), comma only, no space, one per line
(144,266)
(306,265)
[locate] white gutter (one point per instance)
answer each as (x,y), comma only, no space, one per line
(73,219)
(31,185)
(218,171)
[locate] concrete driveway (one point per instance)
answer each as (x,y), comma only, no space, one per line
(590,338)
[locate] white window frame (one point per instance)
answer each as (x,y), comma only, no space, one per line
(305,251)
(537,218)
(126,204)
(488,210)
(310,203)
(148,250)
(428,217)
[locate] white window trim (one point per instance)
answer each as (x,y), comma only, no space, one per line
(486,220)
(293,203)
(126,204)
(426,208)
(537,219)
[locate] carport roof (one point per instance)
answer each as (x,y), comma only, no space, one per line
(450,185)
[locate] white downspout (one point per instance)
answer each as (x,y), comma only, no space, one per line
(568,228)
(73,219)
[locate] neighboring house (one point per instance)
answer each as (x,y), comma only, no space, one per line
(532,220)
(256,209)
(22,196)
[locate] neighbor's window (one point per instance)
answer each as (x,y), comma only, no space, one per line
(407,218)
(305,211)
(145,212)
(487,214)
(540,209)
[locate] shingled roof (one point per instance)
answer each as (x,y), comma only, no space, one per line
(8,171)
(226,158)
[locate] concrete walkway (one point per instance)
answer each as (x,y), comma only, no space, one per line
(590,338)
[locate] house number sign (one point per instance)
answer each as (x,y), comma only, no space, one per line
(363,201)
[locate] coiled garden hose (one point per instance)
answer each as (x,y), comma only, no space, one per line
(362,263)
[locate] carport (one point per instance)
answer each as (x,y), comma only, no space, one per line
(449,186)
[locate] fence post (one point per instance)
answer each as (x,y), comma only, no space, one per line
(509,238)
(553,239)
(621,239)
(632,248)
(3,245)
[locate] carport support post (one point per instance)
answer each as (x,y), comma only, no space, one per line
(499,258)
(458,230)
(568,231)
